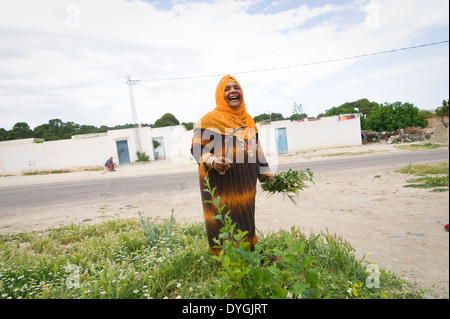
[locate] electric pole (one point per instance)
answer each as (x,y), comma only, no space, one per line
(137,134)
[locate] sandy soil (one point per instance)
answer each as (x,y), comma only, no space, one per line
(399,229)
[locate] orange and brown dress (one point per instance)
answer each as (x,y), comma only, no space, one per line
(237,187)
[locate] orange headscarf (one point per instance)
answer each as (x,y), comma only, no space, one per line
(224,118)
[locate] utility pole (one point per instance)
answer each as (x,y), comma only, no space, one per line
(137,134)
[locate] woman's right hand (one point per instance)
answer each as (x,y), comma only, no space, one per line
(221,164)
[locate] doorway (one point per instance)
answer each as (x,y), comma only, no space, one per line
(158,147)
(122,151)
(280,140)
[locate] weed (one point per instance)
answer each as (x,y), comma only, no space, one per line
(439,183)
(113,260)
(288,183)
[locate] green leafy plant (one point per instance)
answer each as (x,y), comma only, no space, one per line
(439,183)
(154,232)
(142,157)
(288,183)
(260,273)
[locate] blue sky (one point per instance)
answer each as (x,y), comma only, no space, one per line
(69,59)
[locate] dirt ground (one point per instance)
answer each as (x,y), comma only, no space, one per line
(399,229)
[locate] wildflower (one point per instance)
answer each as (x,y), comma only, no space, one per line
(178,285)
(349,290)
(191,289)
(178,297)
(289,295)
(136,291)
(87,291)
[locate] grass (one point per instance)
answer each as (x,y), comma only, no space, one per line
(56,171)
(145,258)
(439,179)
(420,147)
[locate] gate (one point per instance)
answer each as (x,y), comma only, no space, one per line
(280,140)
(122,150)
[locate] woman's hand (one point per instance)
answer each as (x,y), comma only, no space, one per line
(220,164)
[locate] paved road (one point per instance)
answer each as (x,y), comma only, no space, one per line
(114,188)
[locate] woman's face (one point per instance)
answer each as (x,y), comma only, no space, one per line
(233,95)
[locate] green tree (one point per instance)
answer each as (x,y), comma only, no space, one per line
(55,126)
(166,120)
(40,130)
(364,106)
(188,126)
(20,130)
(345,108)
(3,134)
(442,111)
(261,117)
(393,116)
(298,116)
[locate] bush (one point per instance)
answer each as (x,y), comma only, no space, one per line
(142,157)
(391,117)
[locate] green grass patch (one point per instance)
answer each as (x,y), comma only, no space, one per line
(438,179)
(144,258)
(420,147)
(427,169)
(56,171)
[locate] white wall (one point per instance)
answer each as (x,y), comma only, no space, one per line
(21,156)
(314,134)
(93,150)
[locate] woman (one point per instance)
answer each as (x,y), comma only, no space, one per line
(227,149)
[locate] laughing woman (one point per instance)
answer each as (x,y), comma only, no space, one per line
(226,147)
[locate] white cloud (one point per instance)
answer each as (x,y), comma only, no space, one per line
(51,44)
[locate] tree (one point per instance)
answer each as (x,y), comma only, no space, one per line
(40,130)
(188,126)
(364,106)
(261,117)
(166,120)
(3,134)
(20,130)
(298,116)
(361,106)
(345,108)
(394,116)
(442,111)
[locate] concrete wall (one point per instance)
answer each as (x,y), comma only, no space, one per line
(25,155)
(92,150)
(312,134)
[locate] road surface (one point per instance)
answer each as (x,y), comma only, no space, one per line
(76,192)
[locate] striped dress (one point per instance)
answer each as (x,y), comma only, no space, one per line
(237,187)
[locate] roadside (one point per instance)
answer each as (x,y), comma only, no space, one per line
(397,228)
(188,164)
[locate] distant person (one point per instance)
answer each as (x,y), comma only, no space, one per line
(110,164)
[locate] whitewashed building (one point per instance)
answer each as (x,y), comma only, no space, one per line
(92,150)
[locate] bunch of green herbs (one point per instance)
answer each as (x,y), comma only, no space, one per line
(288,183)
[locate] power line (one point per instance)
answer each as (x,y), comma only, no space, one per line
(241,72)
(303,64)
